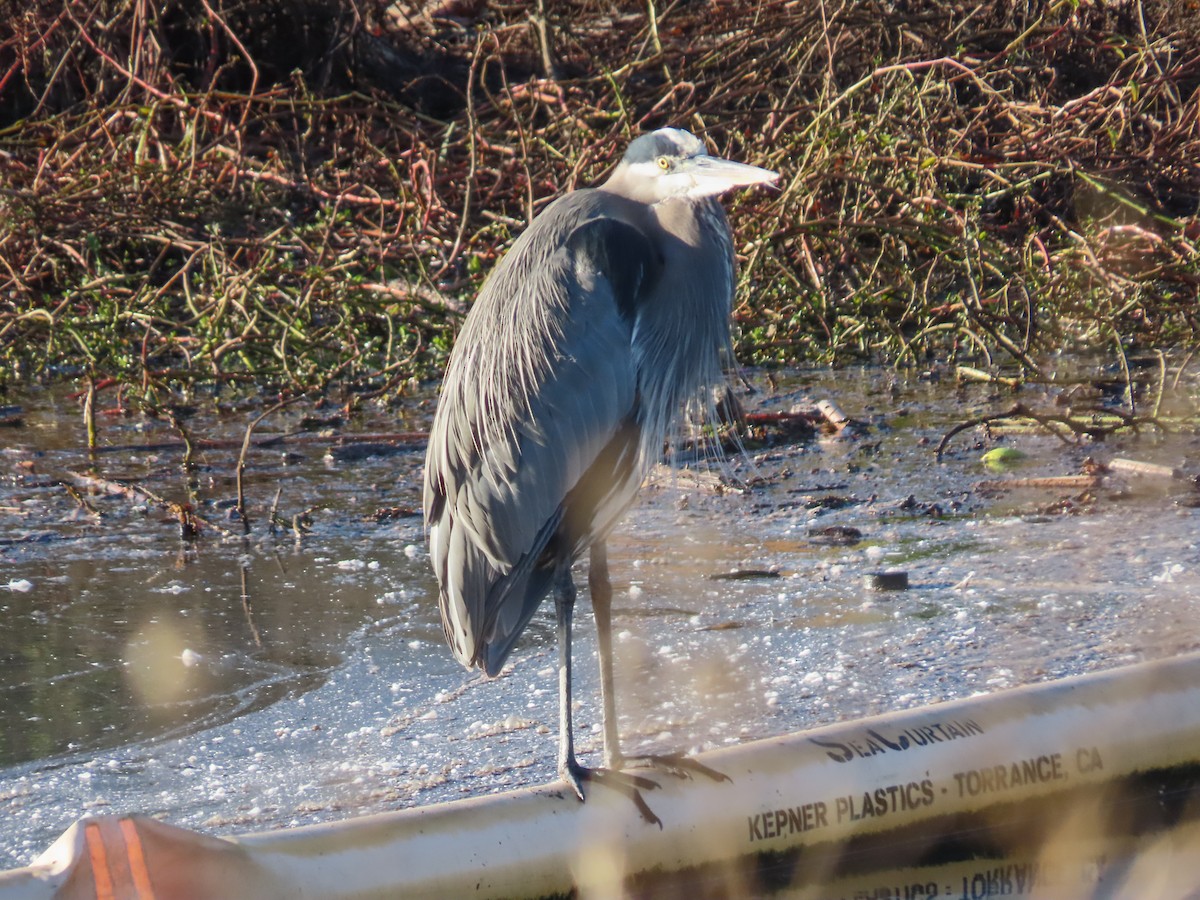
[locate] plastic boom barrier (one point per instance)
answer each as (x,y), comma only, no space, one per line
(1088,786)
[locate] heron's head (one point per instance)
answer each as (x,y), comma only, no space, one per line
(671,163)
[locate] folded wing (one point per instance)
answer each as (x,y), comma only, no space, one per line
(533,452)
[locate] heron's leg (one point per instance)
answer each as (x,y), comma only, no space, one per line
(675,763)
(601,590)
(564,607)
(569,768)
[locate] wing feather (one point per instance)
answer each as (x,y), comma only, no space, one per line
(540,387)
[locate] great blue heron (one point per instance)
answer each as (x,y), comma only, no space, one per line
(607,315)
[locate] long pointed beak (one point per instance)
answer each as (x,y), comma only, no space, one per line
(712,175)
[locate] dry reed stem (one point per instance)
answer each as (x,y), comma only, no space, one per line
(185,205)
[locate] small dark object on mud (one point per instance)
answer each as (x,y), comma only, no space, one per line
(833,501)
(835,535)
(395,512)
(792,421)
(886,581)
(744,574)
(355,452)
(321,423)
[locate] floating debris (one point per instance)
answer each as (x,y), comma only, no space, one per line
(1003,458)
(1051,482)
(1137,467)
(886,581)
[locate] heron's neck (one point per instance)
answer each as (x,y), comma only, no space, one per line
(682,336)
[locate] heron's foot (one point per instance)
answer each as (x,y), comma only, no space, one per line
(630,785)
(678,764)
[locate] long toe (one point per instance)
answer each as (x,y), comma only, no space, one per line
(678,764)
(628,784)
(575,775)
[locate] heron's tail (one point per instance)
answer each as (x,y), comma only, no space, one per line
(484,610)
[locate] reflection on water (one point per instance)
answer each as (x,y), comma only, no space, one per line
(99,655)
(117,630)
(233,683)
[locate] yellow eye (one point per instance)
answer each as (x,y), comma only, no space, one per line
(663,163)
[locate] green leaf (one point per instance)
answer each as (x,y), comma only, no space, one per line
(1002,458)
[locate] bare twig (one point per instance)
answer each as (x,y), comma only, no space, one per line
(245,450)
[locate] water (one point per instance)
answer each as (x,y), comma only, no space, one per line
(231,684)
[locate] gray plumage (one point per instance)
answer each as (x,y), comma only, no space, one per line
(606,316)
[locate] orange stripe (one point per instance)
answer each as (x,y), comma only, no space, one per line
(137,861)
(99,858)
